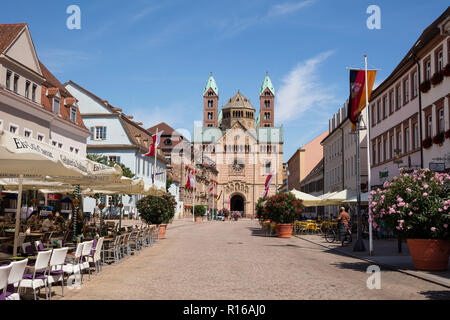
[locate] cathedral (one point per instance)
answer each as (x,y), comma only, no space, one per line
(244,145)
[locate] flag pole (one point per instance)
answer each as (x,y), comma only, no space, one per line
(193,194)
(368,157)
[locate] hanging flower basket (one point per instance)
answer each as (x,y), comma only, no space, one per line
(446,70)
(425,86)
(427,143)
(439,138)
(437,78)
(447,134)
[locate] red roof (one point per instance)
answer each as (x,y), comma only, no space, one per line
(8,32)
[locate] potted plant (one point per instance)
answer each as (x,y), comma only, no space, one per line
(157,210)
(236,215)
(199,212)
(425,86)
(446,70)
(427,143)
(259,207)
(439,138)
(437,78)
(225,213)
(416,206)
(284,209)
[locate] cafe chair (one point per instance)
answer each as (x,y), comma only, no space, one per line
(4,274)
(56,273)
(74,267)
(15,278)
(95,256)
(86,253)
(38,278)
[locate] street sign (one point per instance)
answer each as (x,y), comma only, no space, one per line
(437,166)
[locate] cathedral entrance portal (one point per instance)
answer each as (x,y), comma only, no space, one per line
(238,204)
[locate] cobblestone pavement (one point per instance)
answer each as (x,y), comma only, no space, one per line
(234,261)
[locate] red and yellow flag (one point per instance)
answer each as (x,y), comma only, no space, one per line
(357,100)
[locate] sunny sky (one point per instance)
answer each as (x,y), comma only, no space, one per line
(153,58)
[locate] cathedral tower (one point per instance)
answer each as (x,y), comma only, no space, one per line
(210,103)
(266,106)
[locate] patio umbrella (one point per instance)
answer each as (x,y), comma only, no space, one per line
(307,199)
(364,199)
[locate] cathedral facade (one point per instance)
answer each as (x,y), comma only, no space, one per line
(244,144)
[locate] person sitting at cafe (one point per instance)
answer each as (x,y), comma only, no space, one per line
(48,224)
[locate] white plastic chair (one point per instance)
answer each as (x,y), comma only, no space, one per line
(4,274)
(74,267)
(87,247)
(56,268)
(38,278)
(16,276)
(97,255)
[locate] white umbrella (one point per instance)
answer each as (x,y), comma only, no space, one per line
(364,199)
(308,199)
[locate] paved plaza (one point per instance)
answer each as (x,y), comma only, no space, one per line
(235,261)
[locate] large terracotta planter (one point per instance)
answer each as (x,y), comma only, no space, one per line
(162,231)
(284,230)
(429,254)
(236,218)
(225,219)
(198,219)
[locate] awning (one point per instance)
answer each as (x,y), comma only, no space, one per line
(308,200)
(364,199)
(19,155)
(338,197)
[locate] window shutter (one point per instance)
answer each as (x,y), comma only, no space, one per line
(118,159)
(104,133)
(92,133)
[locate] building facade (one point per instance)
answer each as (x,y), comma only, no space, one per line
(245,150)
(409,111)
(303,161)
(33,103)
(118,138)
(340,156)
(313,184)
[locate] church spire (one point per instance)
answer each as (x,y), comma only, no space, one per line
(211,84)
(267,84)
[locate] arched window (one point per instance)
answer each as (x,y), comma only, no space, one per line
(267,93)
(210,103)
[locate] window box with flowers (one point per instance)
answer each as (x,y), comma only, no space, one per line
(446,70)
(437,78)
(439,138)
(447,134)
(416,207)
(157,210)
(427,143)
(425,86)
(284,209)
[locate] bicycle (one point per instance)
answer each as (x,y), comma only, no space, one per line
(335,234)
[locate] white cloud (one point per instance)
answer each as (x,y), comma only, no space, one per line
(145,12)
(302,90)
(288,7)
(59,60)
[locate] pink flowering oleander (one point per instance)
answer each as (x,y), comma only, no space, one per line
(413,203)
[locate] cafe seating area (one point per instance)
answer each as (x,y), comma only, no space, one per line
(49,259)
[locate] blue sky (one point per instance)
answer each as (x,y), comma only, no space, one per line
(153,58)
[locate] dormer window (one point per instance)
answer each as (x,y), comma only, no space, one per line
(73,114)
(56,105)
(8,80)
(27,89)
(16,83)
(33,93)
